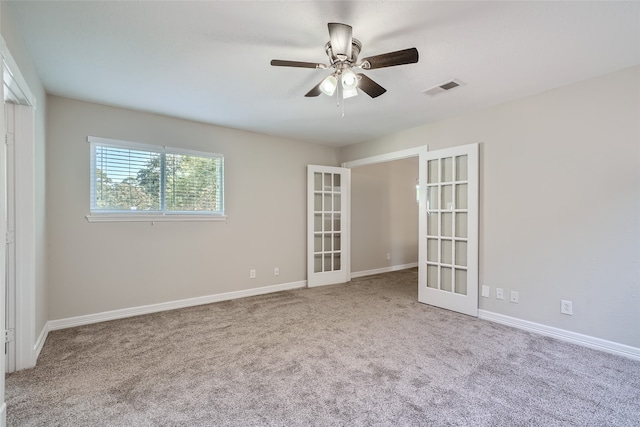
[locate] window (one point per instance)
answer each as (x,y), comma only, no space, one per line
(131,181)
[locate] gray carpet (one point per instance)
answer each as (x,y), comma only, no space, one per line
(357,354)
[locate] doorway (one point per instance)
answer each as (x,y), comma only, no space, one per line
(384,217)
(448,205)
(18,164)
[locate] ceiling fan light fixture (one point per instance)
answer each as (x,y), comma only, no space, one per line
(343,51)
(328,85)
(349,79)
(349,92)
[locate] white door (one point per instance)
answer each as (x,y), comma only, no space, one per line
(328,248)
(10,250)
(448,246)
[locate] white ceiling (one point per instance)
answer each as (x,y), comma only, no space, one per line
(208,61)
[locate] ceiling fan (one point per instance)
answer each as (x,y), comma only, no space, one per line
(343,50)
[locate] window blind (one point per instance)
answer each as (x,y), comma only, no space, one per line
(128,177)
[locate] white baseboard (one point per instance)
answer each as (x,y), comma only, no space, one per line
(37,348)
(71,322)
(563,335)
(364,273)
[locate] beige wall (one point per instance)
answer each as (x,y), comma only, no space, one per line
(96,267)
(560,201)
(384,215)
(14,42)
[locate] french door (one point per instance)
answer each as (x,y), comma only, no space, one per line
(328,248)
(448,227)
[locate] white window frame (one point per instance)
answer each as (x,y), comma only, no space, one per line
(142,216)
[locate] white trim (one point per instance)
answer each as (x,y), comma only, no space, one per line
(88,319)
(383,270)
(37,348)
(396,155)
(15,72)
(154,218)
(25,225)
(563,335)
(3,415)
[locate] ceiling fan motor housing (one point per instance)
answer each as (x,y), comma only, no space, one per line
(356,46)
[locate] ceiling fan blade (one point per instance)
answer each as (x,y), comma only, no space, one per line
(315,91)
(400,57)
(341,39)
(281,63)
(370,87)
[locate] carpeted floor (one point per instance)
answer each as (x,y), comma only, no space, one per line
(357,354)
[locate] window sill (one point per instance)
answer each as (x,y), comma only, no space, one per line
(154,218)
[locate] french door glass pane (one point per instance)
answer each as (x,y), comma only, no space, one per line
(446,224)
(461,196)
(432,250)
(328,184)
(327,242)
(461,224)
(432,171)
(447,197)
(461,253)
(317,243)
(327,262)
(461,168)
(317,181)
(447,169)
(432,224)
(336,242)
(317,263)
(461,281)
(432,198)
(327,222)
(446,252)
(445,279)
(336,261)
(337,202)
(432,276)
(327,202)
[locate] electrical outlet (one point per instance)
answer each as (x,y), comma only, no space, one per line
(252,274)
(566,307)
(276,271)
(514,297)
(388,255)
(486,291)
(499,293)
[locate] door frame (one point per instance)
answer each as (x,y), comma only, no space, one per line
(389,157)
(25,239)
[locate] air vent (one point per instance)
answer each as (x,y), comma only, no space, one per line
(443,87)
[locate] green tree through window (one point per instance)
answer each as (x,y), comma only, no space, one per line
(130,177)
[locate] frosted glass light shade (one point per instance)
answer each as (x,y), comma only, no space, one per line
(349,79)
(328,85)
(348,93)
